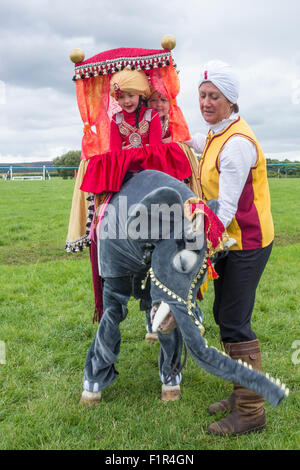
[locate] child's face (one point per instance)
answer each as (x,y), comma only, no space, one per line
(159,104)
(128,101)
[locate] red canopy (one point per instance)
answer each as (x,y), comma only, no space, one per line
(92,78)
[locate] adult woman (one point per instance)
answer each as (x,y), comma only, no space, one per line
(232,170)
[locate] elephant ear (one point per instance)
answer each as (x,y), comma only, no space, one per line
(158,216)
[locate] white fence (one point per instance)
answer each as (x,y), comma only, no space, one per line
(10,175)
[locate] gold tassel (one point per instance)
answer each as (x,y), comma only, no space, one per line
(211,273)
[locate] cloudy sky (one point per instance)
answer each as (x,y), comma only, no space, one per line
(39,118)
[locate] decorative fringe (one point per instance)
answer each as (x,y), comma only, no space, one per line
(211,273)
(199,295)
(84,241)
(201,290)
(203,287)
(78,245)
(97,316)
(106,67)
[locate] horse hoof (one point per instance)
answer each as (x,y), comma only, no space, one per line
(151,338)
(170,392)
(90,398)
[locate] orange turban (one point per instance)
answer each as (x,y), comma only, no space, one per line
(130,81)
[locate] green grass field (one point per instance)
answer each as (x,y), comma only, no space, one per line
(46,305)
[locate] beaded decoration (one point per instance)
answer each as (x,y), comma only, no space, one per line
(191,305)
(111,66)
(134,134)
(188,302)
(165,126)
(84,241)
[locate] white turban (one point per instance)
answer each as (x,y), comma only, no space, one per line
(223,77)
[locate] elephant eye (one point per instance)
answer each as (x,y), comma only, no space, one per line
(184,261)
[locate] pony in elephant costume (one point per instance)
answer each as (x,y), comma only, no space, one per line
(170,264)
(163,267)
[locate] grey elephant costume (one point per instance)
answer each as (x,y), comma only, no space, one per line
(155,264)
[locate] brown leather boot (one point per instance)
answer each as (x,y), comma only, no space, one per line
(248,413)
(226,405)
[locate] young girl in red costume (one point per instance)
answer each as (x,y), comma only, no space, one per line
(135,138)
(136,125)
(161,104)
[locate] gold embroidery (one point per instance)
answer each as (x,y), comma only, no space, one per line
(143,127)
(123,130)
(165,126)
(126,129)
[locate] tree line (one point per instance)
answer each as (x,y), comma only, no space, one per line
(275,168)
(71,158)
(283,168)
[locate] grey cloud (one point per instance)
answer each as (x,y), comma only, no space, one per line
(259,38)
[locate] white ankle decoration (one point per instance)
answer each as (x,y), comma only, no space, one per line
(91,395)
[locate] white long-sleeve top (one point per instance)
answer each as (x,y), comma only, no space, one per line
(237,157)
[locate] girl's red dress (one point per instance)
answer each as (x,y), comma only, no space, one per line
(146,151)
(124,133)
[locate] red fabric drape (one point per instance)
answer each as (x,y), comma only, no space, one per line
(106,172)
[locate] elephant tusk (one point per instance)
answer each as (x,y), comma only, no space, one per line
(160,315)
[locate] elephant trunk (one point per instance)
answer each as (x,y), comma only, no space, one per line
(221,365)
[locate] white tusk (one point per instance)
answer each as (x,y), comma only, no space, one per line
(160,315)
